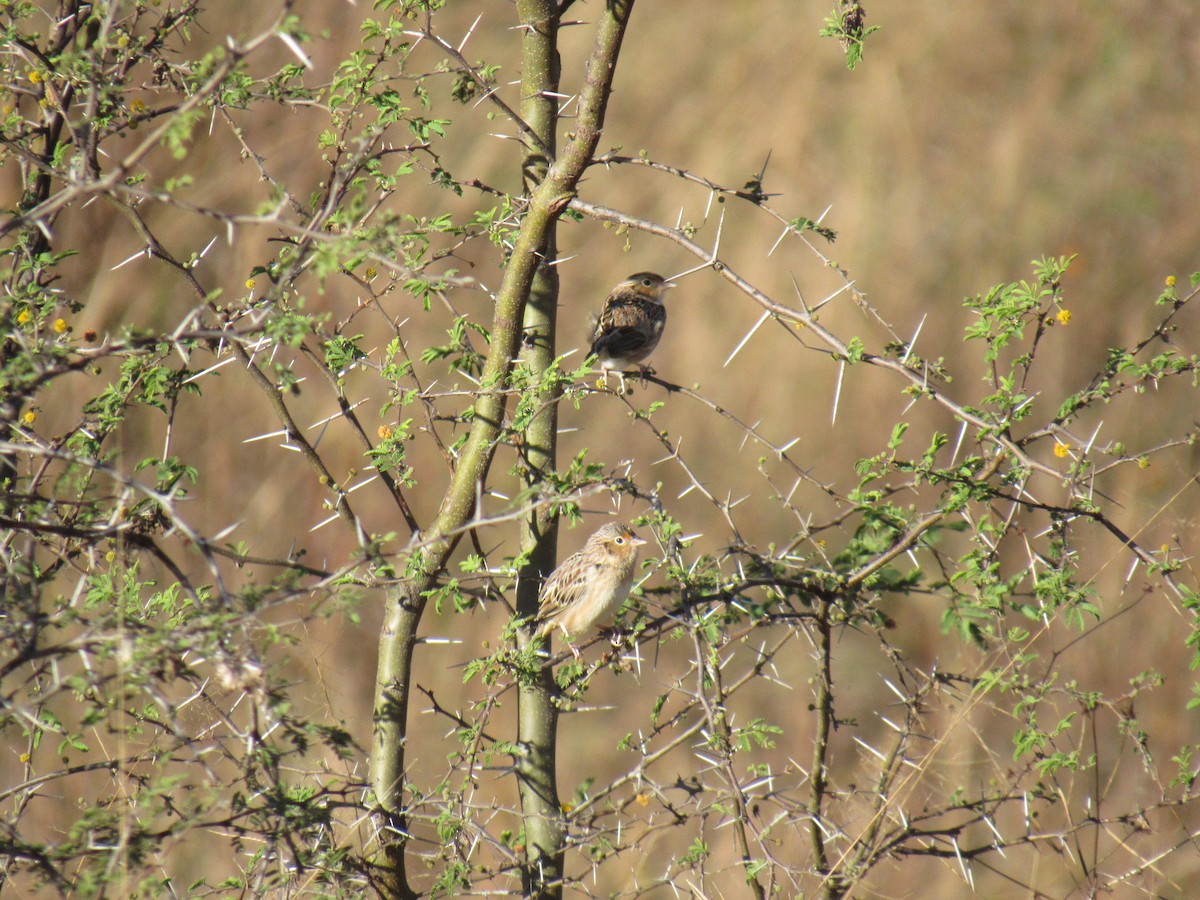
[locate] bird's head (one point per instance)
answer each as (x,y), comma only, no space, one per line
(616,540)
(648,284)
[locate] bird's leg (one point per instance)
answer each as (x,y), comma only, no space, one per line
(570,644)
(603,383)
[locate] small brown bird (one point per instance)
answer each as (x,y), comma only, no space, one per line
(588,588)
(631,322)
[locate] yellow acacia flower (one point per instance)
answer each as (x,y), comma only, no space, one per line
(249,284)
(23,316)
(30,417)
(35,77)
(1170,281)
(1061,450)
(60,325)
(1063,316)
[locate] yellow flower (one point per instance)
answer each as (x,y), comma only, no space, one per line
(1061,450)
(30,417)
(35,77)
(642,800)
(23,316)
(137,107)
(24,757)
(249,284)
(370,273)
(1170,281)
(1063,316)
(60,325)
(384,432)
(1143,462)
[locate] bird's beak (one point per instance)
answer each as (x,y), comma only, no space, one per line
(637,541)
(667,285)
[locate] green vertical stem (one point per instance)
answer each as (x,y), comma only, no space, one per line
(818,777)
(406,602)
(537,712)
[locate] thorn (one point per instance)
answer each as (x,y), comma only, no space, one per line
(149,253)
(337,414)
(962,433)
(912,343)
(322,524)
(869,748)
(363,483)
(211,368)
(291,44)
(263,437)
(779,240)
(837,394)
(896,691)
(226,531)
(470,31)
(749,334)
(818,307)
(484,98)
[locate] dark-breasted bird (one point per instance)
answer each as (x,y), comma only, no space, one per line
(631,322)
(589,586)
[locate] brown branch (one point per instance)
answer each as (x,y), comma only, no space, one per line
(405,603)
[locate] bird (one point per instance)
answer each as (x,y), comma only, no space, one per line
(630,323)
(589,586)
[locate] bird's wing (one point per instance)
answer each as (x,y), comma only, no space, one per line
(564,586)
(620,342)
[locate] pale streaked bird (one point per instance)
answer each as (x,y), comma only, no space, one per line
(586,590)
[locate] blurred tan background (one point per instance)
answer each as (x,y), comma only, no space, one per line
(970,141)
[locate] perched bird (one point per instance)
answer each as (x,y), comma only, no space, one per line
(588,588)
(631,322)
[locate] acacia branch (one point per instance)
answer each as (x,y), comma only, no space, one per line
(405,603)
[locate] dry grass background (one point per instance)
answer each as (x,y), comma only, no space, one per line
(973,139)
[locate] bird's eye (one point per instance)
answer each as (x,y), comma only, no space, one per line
(618,540)
(646,282)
